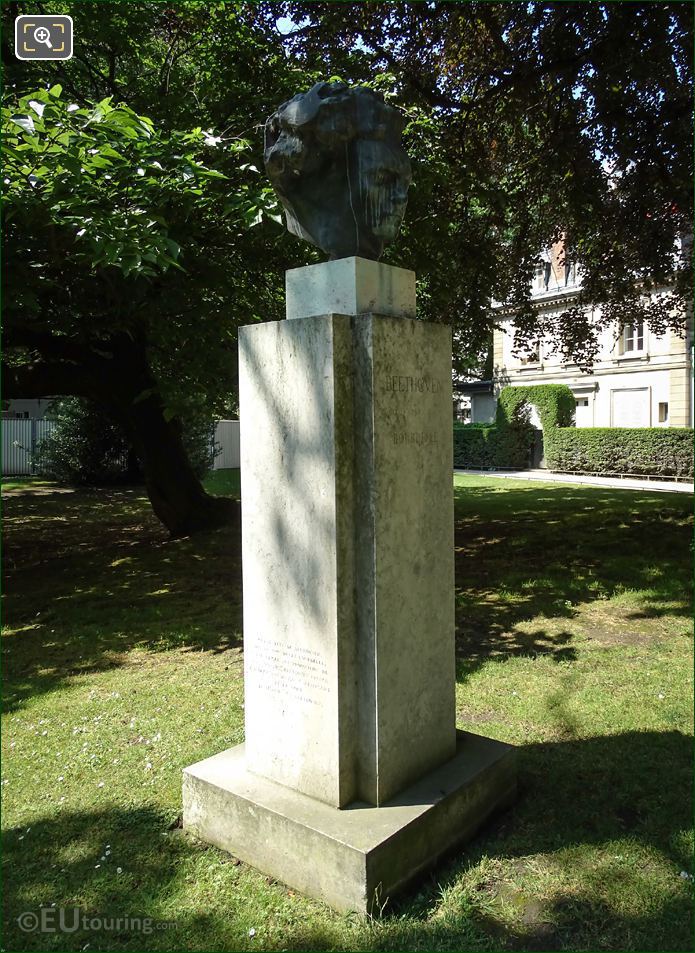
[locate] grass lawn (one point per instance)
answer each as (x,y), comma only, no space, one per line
(123,664)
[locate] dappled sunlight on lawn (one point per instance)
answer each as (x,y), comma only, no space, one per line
(124,663)
(108,580)
(574,555)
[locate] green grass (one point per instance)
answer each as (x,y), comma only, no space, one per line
(224,483)
(123,664)
(26,483)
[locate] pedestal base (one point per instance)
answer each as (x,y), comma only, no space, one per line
(357,857)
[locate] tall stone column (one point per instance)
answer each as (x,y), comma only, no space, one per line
(347,525)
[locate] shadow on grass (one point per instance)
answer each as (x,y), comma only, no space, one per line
(530,552)
(92,575)
(592,793)
(579,802)
(63,863)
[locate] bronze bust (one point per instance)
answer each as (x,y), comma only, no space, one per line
(335,159)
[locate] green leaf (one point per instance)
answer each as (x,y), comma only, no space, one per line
(25,122)
(144,394)
(210,173)
(253,216)
(106,150)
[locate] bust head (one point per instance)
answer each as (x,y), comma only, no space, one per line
(335,159)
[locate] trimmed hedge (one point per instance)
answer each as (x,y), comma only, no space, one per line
(555,403)
(654,451)
(507,443)
(484,446)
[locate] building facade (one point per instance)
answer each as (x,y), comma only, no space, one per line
(639,379)
(26,409)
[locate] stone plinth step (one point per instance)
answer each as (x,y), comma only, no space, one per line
(354,858)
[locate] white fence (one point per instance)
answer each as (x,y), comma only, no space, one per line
(19,442)
(21,437)
(227,439)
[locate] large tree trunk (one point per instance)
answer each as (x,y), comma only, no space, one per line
(175,492)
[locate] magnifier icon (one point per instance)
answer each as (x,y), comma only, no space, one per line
(43,35)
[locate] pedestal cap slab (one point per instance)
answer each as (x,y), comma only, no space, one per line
(350,286)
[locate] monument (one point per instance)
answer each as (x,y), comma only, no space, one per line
(353,777)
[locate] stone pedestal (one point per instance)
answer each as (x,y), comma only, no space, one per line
(348,575)
(356,858)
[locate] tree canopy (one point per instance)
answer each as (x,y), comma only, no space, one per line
(162,224)
(528,120)
(140,231)
(137,245)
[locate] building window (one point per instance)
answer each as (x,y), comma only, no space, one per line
(582,402)
(542,277)
(663,413)
(462,410)
(532,355)
(554,270)
(632,337)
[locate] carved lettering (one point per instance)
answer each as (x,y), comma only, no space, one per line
(293,671)
(406,384)
(421,438)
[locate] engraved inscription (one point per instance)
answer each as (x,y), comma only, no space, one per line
(405,384)
(421,438)
(290,670)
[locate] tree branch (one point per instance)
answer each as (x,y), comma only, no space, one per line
(44,379)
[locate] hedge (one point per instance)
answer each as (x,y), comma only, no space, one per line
(656,451)
(507,443)
(555,403)
(486,446)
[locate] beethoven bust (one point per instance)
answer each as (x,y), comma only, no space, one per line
(335,159)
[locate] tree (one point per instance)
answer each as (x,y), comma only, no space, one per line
(98,203)
(132,272)
(129,242)
(527,120)
(85,447)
